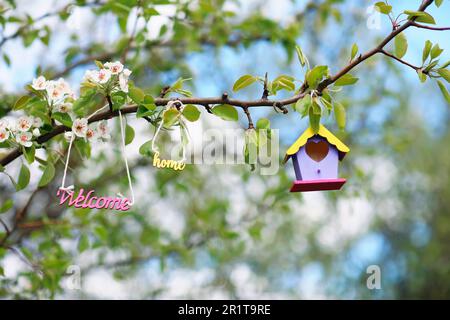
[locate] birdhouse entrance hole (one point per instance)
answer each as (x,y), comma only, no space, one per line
(317,150)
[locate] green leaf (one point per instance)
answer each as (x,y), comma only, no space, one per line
(346,80)
(354,51)
(426,50)
(314,121)
(420,16)
(83,243)
(436,51)
(431,66)
(170,117)
(2,272)
(99,64)
(226,112)
(314,76)
(136,94)
(101,232)
(251,147)
(63,118)
(263,124)
(118,99)
(146,148)
(302,106)
(21,103)
(444,91)
(383,8)
(47,175)
(143,111)
(422,76)
(300,55)
(243,82)
(438,2)
(29,154)
(191,113)
(444,73)
(445,65)
(129,134)
(285,82)
(8,204)
(339,114)
(401,45)
(7,59)
(24,178)
(178,85)
(316,109)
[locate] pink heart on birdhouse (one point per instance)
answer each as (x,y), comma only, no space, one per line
(317,150)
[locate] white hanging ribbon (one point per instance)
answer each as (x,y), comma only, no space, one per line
(130,184)
(72,138)
(71,187)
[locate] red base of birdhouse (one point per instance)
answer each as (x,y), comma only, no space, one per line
(317,185)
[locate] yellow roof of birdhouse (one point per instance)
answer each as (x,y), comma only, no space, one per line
(323,132)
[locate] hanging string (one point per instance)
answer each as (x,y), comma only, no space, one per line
(72,138)
(97,111)
(69,188)
(169,105)
(130,184)
(188,138)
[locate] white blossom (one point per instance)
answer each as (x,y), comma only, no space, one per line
(39,83)
(114,67)
(24,123)
(103,76)
(123,80)
(90,133)
(4,134)
(80,127)
(37,122)
(68,135)
(63,107)
(24,138)
(62,85)
(4,124)
(126,72)
(102,130)
(123,83)
(90,76)
(54,91)
(36,132)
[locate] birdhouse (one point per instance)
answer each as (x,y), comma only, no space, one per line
(316,158)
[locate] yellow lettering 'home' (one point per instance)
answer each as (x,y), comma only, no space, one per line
(167,164)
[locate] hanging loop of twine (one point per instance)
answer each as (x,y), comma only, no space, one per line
(130,184)
(169,105)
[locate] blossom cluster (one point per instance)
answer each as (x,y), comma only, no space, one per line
(81,129)
(113,77)
(21,131)
(57,93)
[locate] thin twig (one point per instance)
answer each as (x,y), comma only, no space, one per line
(422,26)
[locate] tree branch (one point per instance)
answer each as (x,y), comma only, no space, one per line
(249,117)
(159,102)
(325,83)
(422,26)
(400,60)
(43,17)
(239,103)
